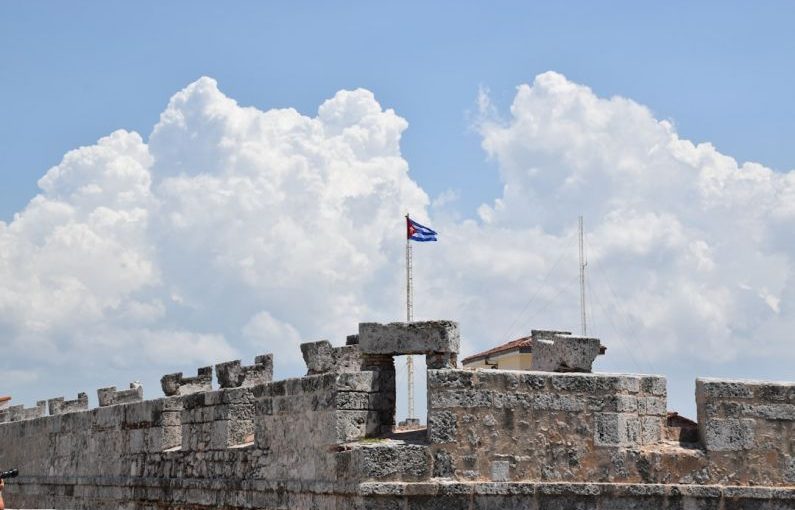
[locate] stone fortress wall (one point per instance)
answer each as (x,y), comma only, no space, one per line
(556,439)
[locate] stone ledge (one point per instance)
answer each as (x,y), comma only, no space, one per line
(438,488)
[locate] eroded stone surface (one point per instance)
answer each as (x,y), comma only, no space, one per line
(110,396)
(495,439)
(401,338)
(234,375)
(60,406)
(176,384)
(560,352)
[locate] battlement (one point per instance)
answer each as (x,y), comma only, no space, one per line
(327,439)
(60,406)
(176,384)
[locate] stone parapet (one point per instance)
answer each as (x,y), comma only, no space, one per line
(233,375)
(111,396)
(175,384)
(320,357)
(21,413)
(60,406)
(748,428)
(505,425)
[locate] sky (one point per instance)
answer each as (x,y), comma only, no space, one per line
(183,183)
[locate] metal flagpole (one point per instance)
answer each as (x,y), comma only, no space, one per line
(583,263)
(409,318)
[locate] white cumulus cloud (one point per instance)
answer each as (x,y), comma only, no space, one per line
(233,231)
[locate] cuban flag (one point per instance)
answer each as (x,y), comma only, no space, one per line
(417,232)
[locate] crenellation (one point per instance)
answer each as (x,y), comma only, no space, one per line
(495,439)
(175,384)
(110,396)
(233,375)
(320,357)
(21,413)
(58,405)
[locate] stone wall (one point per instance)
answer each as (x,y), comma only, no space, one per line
(503,425)
(748,430)
(495,440)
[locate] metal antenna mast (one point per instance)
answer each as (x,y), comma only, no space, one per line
(583,263)
(409,318)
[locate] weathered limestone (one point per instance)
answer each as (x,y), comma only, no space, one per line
(495,439)
(487,420)
(748,423)
(110,396)
(558,351)
(21,413)
(175,384)
(233,375)
(60,406)
(400,338)
(320,357)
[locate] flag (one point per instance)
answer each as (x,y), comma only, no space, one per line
(417,232)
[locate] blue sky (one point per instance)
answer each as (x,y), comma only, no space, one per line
(686,288)
(74,71)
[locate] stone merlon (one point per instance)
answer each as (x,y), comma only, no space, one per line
(60,406)
(110,396)
(175,384)
(233,375)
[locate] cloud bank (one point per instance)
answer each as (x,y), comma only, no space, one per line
(233,231)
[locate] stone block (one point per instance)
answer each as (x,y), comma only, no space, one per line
(408,462)
(617,429)
(718,388)
(443,465)
(653,385)
(789,469)
(652,406)
(729,434)
(320,357)
(352,425)
(233,375)
(110,396)
(443,360)
(777,412)
(357,381)
(651,430)
(500,471)
(442,427)
(347,359)
(60,406)
(563,353)
(175,384)
(401,338)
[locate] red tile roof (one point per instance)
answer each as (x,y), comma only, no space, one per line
(525,342)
